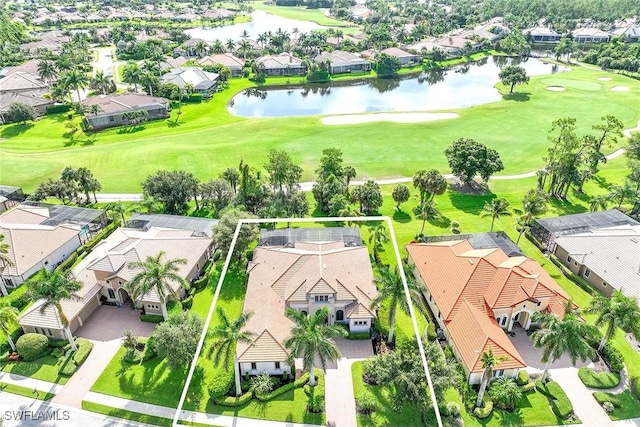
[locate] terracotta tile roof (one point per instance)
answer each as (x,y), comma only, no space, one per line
(473,333)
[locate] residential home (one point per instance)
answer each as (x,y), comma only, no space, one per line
(229,60)
(41,236)
(113,106)
(10,197)
(188,48)
(51,40)
(283,64)
(590,35)
(34,98)
(407,59)
(21,82)
(338,41)
(202,81)
(186,17)
(542,34)
(343,62)
(476,292)
(630,32)
(452,45)
(218,14)
(306,270)
(168,62)
(105,272)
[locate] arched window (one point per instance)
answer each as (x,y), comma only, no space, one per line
(339,315)
(304,312)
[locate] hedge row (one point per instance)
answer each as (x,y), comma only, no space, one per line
(187,303)
(560,403)
(151,318)
(235,401)
(528,387)
(58,343)
(486,410)
(522,378)
(583,284)
(60,108)
(359,335)
(613,358)
(603,380)
(84,349)
(68,263)
(300,382)
(103,234)
(68,367)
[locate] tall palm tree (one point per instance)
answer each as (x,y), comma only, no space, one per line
(52,289)
(149,79)
(558,336)
(230,45)
(244,47)
(227,335)
(430,183)
(534,204)
(94,109)
(156,274)
(617,311)
(489,361)
(312,339)
(118,209)
(131,74)
(101,82)
(217,47)
(200,48)
(622,192)
(5,262)
(391,289)
(47,70)
(377,236)
(178,94)
(75,79)
(598,203)
(425,212)
(8,320)
(495,209)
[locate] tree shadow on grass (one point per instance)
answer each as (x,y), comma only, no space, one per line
(131,129)
(10,131)
(566,207)
(173,124)
(601,181)
(470,203)
(517,96)
(401,217)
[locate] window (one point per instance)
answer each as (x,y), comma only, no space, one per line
(119,282)
(304,312)
(339,315)
(503,320)
(321,298)
(569,259)
(587,273)
(37,330)
(277,365)
(604,284)
(46,263)
(49,332)
(254,366)
(112,294)
(498,373)
(112,119)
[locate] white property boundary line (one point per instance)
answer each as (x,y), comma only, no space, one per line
(310,220)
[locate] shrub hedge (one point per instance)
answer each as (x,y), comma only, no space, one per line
(634,387)
(68,367)
(151,318)
(560,403)
(522,378)
(67,263)
(60,108)
(601,380)
(486,410)
(84,349)
(58,343)
(300,382)
(583,284)
(220,386)
(17,297)
(187,303)
(528,387)
(359,335)
(103,234)
(32,346)
(235,401)
(613,358)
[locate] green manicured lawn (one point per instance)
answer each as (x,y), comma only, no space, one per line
(626,406)
(301,13)
(602,380)
(24,391)
(127,415)
(45,369)
(208,139)
(151,381)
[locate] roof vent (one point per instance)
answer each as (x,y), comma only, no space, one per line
(470,261)
(634,240)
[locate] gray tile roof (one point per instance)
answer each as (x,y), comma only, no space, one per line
(119,103)
(181,76)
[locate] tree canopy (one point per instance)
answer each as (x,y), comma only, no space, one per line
(173,189)
(512,75)
(177,338)
(468,158)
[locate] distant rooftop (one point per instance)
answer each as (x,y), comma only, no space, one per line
(12,193)
(496,239)
(199,226)
(289,236)
(61,214)
(578,223)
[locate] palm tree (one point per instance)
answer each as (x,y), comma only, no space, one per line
(117,208)
(244,47)
(558,336)
(75,79)
(391,289)
(495,209)
(149,79)
(101,82)
(156,274)
(131,74)
(622,192)
(52,288)
(430,183)
(47,70)
(598,203)
(94,109)
(200,48)
(425,212)
(349,173)
(489,361)
(505,393)
(230,45)
(311,338)
(617,311)
(5,262)
(227,335)
(217,47)
(178,94)
(377,236)
(534,204)
(8,320)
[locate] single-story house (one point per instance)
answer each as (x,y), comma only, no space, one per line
(338,41)
(113,106)
(608,258)
(202,81)
(188,48)
(105,272)
(406,58)
(590,35)
(34,98)
(630,32)
(542,34)
(475,293)
(52,40)
(305,272)
(283,64)
(168,62)
(343,62)
(10,197)
(229,60)
(21,81)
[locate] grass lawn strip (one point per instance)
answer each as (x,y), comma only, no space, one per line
(603,380)
(24,391)
(625,405)
(127,415)
(45,369)
(193,143)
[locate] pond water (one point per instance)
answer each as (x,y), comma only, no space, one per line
(261,23)
(459,87)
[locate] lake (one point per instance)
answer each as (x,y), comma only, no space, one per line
(459,87)
(261,23)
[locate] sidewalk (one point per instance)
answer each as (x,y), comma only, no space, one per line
(340,404)
(30,383)
(78,386)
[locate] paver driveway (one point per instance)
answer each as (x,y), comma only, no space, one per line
(107,323)
(532,355)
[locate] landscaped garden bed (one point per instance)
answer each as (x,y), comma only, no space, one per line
(603,380)
(625,405)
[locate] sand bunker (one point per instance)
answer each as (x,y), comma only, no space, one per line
(620,89)
(604,79)
(386,117)
(556,88)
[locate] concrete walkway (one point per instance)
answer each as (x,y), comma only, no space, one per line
(78,386)
(584,404)
(198,417)
(30,383)
(340,404)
